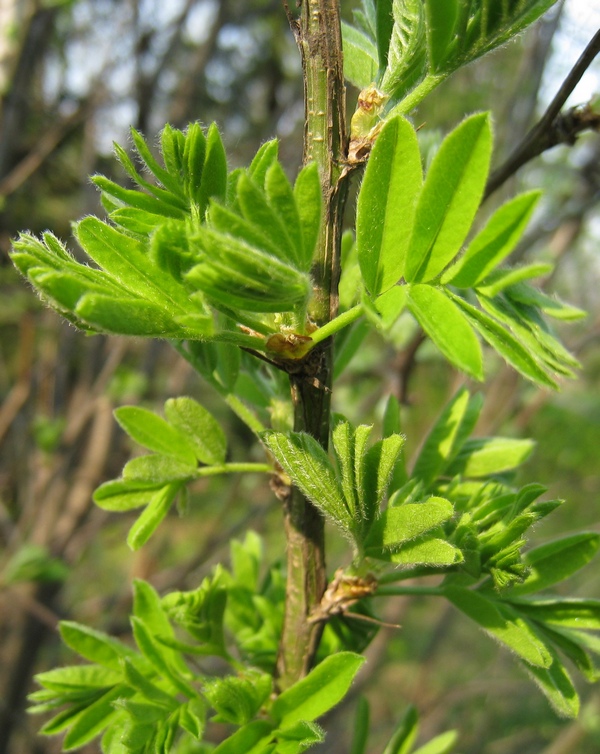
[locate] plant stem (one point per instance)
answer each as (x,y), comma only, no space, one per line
(337,324)
(233,468)
(318,35)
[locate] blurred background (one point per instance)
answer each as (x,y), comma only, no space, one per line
(74,76)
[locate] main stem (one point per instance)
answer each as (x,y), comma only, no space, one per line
(318,35)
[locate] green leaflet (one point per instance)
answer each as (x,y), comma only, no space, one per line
(512,350)
(262,161)
(400,524)
(447,436)
(214,173)
(563,612)
(386,205)
(427,552)
(152,515)
(94,646)
(442,744)
(94,719)
(555,561)
(308,465)
(156,434)
(405,734)
(200,428)
(447,327)
(483,456)
(281,198)
(494,243)
(125,260)
(322,689)
(360,57)
(309,203)
(157,469)
(450,198)
(442,16)
(252,738)
(118,495)
(503,623)
(257,208)
(501,279)
(549,305)
(557,686)
(407,54)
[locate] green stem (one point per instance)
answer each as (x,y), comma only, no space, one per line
(415,97)
(233,468)
(337,324)
(242,411)
(318,35)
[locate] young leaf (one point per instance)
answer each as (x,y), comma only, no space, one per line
(360,57)
(95,646)
(253,738)
(309,201)
(555,561)
(447,436)
(125,259)
(563,612)
(258,211)
(262,161)
(503,623)
(447,327)
(361,727)
(214,173)
(386,205)
(154,433)
(322,689)
(494,243)
(505,344)
(152,516)
(442,16)
(442,744)
(407,54)
(281,199)
(309,467)
(450,198)
(405,522)
(94,719)
(128,316)
(426,551)
(483,456)
(201,429)
(405,734)
(557,686)
(155,470)
(501,279)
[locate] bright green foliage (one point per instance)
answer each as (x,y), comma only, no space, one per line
(413,45)
(153,697)
(386,206)
(190,434)
(410,255)
(220,263)
(194,240)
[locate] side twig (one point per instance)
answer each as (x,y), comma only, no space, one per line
(553,128)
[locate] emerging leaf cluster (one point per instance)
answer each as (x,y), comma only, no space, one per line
(407,47)
(189,240)
(150,699)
